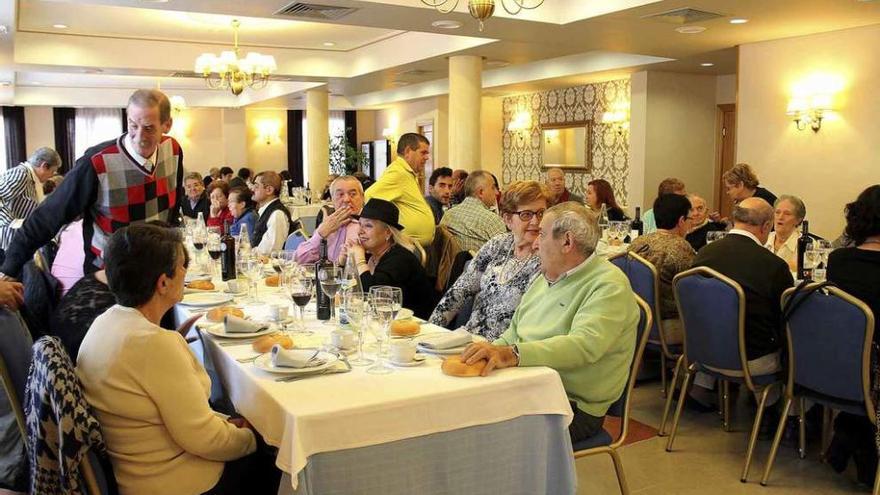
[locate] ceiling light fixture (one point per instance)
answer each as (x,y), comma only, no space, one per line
(329,43)
(59,26)
(228,71)
(707,64)
(690,29)
(738,20)
(483,9)
(446,24)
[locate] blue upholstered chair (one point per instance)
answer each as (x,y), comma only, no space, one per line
(15,359)
(602,443)
(645,281)
(829,336)
(293,241)
(712,310)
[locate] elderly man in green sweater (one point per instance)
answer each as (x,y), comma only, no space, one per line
(579,318)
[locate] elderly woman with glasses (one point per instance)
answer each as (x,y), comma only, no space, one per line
(503,268)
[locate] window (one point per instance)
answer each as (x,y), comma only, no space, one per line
(96,125)
(336,128)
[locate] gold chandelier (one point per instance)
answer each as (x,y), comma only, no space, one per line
(483,9)
(228,71)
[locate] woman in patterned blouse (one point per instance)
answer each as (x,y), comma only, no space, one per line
(504,267)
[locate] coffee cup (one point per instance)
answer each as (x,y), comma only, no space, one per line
(233,286)
(403,351)
(278,312)
(342,339)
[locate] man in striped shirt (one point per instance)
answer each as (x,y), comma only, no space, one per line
(21,189)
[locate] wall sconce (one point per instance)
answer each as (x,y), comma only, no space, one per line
(388,134)
(521,121)
(551,135)
(178,105)
(808,111)
(268,131)
(618,116)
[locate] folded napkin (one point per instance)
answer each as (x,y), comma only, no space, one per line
(234,324)
(447,340)
(294,358)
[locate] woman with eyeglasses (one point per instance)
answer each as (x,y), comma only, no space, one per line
(241,206)
(504,267)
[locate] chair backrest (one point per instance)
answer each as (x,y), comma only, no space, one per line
(458,266)
(97,475)
(420,253)
(293,241)
(829,344)
(15,359)
(712,311)
(645,282)
(621,407)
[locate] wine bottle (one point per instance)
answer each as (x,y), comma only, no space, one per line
(308,194)
(637,228)
(804,241)
(322,300)
(227,246)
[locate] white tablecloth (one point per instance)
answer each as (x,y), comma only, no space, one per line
(357,409)
(303,211)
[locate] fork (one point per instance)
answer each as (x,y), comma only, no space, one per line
(294,378)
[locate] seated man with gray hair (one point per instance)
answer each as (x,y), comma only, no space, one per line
(579,318)
(472,221)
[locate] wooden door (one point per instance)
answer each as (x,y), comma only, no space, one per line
(725,154)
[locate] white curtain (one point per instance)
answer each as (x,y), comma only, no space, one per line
(3,164)
(336,128)
(96,125)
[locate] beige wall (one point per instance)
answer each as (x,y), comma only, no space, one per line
(404,117)
(39,128)
(262,156)
(366,126)
(673,132)
(829,168)
(491,135)
(725,89)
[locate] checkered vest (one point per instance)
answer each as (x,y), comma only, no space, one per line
(128,193)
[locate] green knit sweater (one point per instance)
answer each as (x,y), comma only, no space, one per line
(584,327)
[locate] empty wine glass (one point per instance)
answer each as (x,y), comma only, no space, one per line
(357,307)
(329,278)
(253,270)
(382,305)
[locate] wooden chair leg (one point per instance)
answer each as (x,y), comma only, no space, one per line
(669,396)
(753,438)
(681,398)
(776,439)
(663,380)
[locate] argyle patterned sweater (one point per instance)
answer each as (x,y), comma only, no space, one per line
(110,189)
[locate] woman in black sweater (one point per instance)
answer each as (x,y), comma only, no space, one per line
(856,270)
(391,261)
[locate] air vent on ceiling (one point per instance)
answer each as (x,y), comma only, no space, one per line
(314,11)
(184,74)
(685,15)
(415,73)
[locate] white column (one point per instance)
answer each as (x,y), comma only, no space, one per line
(465,90)
(318,143)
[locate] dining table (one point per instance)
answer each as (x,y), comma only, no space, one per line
(342,430)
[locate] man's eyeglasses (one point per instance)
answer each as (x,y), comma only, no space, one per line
(528,215)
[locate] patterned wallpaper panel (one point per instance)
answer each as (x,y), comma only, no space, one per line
(521,156)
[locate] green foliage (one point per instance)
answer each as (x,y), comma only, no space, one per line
(344,158)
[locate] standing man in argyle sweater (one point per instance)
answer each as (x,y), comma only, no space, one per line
(137,177)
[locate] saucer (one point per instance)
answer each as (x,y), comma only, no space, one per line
(417,360)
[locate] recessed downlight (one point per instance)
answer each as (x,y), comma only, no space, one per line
(706,64)
(59,26)
(5,84)
(738,20)
(446,24)
(328,43)
(690,29)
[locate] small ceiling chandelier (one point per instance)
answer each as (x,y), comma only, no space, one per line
(230,71)
(483,9)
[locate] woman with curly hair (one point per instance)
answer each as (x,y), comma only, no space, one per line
(856,270)
(741,182)
(599,193)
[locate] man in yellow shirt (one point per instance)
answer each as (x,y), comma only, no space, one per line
(400,185)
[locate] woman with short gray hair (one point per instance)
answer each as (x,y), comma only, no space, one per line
(21,189)
(788,213)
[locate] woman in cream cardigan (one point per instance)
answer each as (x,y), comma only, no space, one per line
(147,389)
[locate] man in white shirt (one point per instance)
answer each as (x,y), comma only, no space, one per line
(273,219)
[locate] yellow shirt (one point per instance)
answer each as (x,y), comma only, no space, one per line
(400,186)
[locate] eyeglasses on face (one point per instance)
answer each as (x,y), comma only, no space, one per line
(528,215)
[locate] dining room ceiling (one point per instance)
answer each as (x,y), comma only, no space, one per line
(78,52)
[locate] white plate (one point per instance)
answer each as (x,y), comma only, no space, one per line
(418,360)
(187,290)
(217,330)
(404,314)
(264,363)
(205,299)
(196,276)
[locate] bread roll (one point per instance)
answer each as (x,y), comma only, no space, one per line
(266,342)
(454,366)
(405,328)
(273,281)
(218,314)
(201,285)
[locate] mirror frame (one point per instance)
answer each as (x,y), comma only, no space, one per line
(588,136)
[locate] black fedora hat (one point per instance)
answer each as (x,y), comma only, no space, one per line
(384,211)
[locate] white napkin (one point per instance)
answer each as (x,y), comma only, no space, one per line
(234,324)
(447,340)
(294,358)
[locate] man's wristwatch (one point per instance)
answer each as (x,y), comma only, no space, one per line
(515,351)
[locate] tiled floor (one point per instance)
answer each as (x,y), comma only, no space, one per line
(707,460)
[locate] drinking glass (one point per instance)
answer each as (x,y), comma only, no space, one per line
(199,240)
(357,307)
(382,304)
(253,270)
(714,235)
(819,250)
(300,290)
(215,250)
(276,258)
(329,278)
